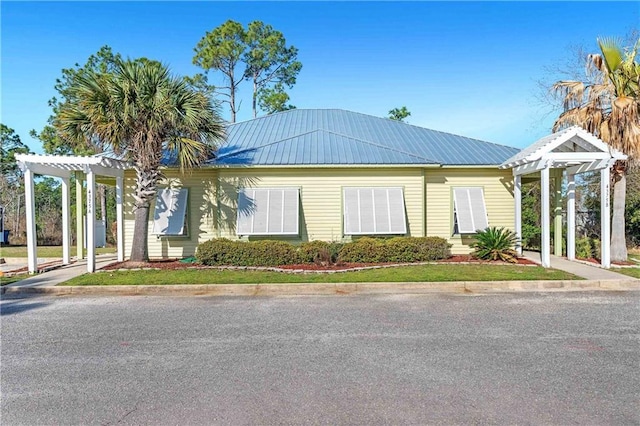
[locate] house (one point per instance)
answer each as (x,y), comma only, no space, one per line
(330,175)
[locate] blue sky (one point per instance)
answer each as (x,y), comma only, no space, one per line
(469,68)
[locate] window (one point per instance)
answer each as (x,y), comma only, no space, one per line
(268,211)
(169,217)
(371,211)
(470,213)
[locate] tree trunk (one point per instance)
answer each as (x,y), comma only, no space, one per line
(145,192)
(618,235)
(140,247)
(255,97)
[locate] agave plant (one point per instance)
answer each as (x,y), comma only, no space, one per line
(495,244)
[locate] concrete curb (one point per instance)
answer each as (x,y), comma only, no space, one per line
(477,287)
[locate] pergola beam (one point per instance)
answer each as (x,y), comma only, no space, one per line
(62,167)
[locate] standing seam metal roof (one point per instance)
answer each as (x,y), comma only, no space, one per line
(339,137)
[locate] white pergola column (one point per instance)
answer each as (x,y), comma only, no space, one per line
(605,219)
(30,204)
(557,213)
(91,221)
(517,195)
(571,216)
(66,245)
(120,217)
(545,237)
(79,217)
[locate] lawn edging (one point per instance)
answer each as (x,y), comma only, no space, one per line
(293,289)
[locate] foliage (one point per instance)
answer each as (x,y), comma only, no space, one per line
(632,213)
(607,105)
(495,243)
(274,99)
(141,111)
(222,251)
(588,248)
(531,229)
(317,252)
(399,114)
(10,145)
(269,64)
(399,249)
(222,49)
(363,250)
(269,60)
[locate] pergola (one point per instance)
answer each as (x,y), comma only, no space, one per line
(62,166)
(575,151)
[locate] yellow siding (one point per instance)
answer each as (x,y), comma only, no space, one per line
(498,195)
(201,213)
(211,209)
(321,195)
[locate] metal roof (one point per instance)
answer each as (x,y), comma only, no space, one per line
(339,137)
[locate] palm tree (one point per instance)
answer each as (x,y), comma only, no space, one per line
(140,111)
(608,106)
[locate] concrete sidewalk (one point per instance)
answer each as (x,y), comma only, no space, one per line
(63,273)
(577,268)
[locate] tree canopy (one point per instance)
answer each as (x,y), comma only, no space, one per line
(399,114)
(607,104)
(258,54)
(141,112)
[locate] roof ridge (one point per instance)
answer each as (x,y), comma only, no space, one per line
(268,144)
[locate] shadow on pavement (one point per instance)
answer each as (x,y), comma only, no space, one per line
(10,305)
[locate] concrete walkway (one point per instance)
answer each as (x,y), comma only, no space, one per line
(63,273)
(577,268)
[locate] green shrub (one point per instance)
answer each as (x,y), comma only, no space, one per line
(399,249)
(314,252)
(216,252)
(334,251)
(587,248)
(495,244)
(239,253)
(222,251)
(363,250)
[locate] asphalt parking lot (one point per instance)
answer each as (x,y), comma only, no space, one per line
(526,358)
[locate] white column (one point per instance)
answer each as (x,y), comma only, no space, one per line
(91,221)
(571,216)
(517,195)
(66,246)
(545,237)
(30,203)
(605,219)
(120,217)
(79,216)
(557,213)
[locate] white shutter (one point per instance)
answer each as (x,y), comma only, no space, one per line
(170,211)
(268,211)
(470,210)
(371,211)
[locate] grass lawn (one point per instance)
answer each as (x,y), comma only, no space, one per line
(418,273)
(46,251)
(632,272)
(4,280)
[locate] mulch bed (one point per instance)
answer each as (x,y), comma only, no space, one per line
(172,264)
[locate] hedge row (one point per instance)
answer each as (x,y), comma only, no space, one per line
(364,250)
